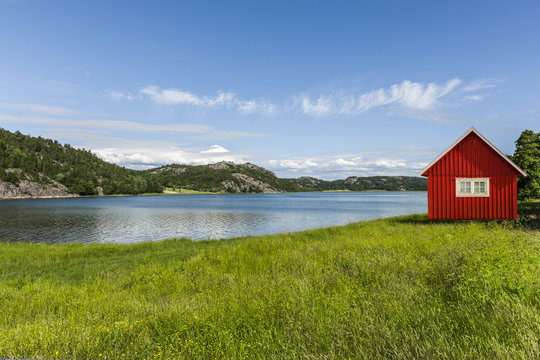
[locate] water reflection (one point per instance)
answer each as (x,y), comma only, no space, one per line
(135,219)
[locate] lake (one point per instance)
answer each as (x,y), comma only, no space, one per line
(133,219)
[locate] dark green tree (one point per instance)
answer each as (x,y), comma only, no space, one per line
(527,157)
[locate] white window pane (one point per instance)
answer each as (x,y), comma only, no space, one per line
(479,187)
(465,187)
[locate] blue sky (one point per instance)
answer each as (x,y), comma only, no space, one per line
(327,89)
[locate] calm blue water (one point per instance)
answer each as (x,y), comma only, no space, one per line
(148,218)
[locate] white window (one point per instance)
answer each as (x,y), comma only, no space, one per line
(478,187)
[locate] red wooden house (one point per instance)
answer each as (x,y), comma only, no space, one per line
(472,179)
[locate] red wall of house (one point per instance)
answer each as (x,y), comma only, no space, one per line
(472,158)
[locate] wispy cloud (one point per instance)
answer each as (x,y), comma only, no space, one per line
(407,94)
(425,115)
(477,97)
(118,95)
(179,97)
(131,126)
(38,108)
(476,90)
(173,97)
(482,84)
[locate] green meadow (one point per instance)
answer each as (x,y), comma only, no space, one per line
(397,288)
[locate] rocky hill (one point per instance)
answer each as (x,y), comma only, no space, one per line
(38,167)
(224,176)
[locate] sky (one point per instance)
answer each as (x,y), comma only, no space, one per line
(328,89)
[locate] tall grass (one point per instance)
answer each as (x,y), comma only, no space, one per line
(396,288)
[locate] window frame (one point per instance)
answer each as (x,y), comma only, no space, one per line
(471,181)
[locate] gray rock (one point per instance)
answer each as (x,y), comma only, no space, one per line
(248,185)
(221,165)
(30,189)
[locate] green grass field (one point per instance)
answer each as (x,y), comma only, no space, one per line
(171,191)
(398,288)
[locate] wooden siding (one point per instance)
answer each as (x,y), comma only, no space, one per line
(472,158)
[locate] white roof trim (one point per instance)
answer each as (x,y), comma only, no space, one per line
(472,129)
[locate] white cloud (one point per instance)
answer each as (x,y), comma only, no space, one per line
(341,167)
(252,106)
(345,163)
(322,106)
(478,97)
(118,95)
(406,94)
(177,97)
(353,163)
(215,149)
(389,163)
(174,97)
(418,165)
(292,164)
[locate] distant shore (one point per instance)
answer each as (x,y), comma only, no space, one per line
(194,192)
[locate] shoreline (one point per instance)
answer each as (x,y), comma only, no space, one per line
(194,192)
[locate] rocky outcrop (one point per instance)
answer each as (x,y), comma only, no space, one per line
(30,189)
(351,180)
(222,165)
(249,184)
(308,181)
(170,169)
(258,168)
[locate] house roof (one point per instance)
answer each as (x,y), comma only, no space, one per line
(471,130)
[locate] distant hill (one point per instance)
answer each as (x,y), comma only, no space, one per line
(368,183)
(38,167)
(223,177)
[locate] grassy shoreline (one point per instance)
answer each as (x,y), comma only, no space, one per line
(195,192)
(392,288)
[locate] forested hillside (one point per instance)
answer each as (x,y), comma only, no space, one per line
(48,162)
(33,160)
(368,183)
(223,177)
